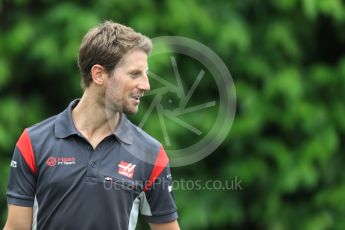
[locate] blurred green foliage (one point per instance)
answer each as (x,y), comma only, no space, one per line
(287,62)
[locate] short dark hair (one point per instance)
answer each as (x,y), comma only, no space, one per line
(105,45)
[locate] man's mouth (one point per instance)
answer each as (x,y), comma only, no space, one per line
(137,97)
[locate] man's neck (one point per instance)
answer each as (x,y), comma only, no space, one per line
(92,121)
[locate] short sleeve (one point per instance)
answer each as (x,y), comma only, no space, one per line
(22,178)
(159,203)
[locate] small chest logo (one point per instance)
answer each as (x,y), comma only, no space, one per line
(126,169)
(53,161)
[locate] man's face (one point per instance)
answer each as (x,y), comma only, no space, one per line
(128,83)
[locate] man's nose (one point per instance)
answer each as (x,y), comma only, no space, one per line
(144,84)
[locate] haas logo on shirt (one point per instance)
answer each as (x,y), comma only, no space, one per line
(51,162)
(59,161)
(126,169)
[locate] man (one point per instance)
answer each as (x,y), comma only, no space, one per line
(89,167)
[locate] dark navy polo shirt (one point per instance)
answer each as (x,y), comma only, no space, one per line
(70,185)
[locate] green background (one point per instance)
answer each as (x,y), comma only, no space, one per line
(287,61)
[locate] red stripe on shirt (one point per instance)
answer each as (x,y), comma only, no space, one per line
(25,148)
(161,162)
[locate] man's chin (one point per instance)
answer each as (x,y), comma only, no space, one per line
(130,111)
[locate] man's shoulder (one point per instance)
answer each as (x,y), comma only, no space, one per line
(43,127)
(38,135)
(144,146)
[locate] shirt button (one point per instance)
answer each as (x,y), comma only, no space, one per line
(93,164)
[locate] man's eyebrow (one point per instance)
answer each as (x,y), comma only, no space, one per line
(138,69)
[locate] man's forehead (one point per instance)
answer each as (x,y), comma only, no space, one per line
(134,57)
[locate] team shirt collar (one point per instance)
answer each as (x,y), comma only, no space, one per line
(64,125)
(123,131)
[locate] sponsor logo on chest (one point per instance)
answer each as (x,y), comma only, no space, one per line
(126,169)
(60,161)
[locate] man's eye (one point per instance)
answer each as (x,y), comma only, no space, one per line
(135,74)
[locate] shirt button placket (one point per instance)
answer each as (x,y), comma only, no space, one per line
(91,172)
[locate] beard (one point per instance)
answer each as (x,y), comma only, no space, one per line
(113,105)
(115,101)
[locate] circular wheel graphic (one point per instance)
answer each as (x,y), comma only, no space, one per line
(171,100)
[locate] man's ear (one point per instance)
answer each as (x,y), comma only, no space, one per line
(97,74)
